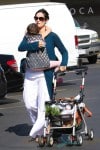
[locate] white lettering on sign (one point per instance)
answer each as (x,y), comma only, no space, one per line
(82,11)
(90,11)
(73,11)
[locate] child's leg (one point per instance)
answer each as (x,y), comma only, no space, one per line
(54,63)
(78,118)
(87,111)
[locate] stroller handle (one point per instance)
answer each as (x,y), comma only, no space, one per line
(79,71)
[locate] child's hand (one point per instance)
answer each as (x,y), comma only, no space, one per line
(41,43)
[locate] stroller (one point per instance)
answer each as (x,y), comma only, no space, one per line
(61,114)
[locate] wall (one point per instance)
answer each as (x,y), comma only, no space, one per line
(85,11)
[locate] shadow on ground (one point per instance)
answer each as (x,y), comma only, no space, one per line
(1,115)
(8,101)
(20,129)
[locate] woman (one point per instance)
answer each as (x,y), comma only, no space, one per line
(38,86)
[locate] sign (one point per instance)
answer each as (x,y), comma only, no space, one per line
(85,10)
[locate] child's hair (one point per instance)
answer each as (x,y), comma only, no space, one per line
(32,29)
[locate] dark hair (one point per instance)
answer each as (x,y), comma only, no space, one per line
(32,29)
(46,14)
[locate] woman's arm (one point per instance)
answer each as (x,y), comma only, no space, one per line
(25,46)
(62,50)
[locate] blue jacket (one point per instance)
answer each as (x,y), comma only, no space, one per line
(52,40)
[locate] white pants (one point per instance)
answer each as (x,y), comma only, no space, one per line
(35,94)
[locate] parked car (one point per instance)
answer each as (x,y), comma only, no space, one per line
(88,43)
(3,83)
(13,77)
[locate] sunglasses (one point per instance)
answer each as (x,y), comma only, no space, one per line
(39,18)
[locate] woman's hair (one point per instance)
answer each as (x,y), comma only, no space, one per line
(46,14)
(32,29)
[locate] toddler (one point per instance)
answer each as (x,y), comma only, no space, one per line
(33,35)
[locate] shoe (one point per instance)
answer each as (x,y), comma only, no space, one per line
(31,140)
(37,139)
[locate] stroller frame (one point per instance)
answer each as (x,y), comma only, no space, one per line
(74,136)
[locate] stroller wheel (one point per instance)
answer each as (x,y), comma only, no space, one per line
(90,134)
(79,139)
(70,140)
(50,140)
(41,141)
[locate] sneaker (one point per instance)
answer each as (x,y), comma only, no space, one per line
(31,139)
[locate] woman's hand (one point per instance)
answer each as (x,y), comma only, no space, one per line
(62,68)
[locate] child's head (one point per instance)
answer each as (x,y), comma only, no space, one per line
(32,29)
